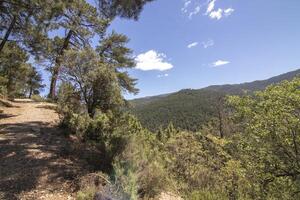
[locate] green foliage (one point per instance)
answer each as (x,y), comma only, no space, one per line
(192,109)
(34,82)
(81,21)
(95,81)
(187,109)
(17,77)
(139,168)
(27,22)
(257,161)
(37,98)
(12,68)
(247,151)
(195,160)
(125,8)
(98,82)
(87,194)
(112,51)
(268,140)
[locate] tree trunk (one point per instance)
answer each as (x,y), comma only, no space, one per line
(91,110)
(30,92)
(6,36)
(57,66)
(10,87)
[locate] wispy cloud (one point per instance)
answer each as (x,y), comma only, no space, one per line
(192,45)
(191,8)
(162,75)
(217,13)
(211,6)
(208,43)
(228,11)
(184,9)
(151,60)
(220,63)
(194,12)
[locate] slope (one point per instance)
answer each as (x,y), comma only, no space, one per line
(191,108)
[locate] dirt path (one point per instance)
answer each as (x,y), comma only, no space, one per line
(35,160)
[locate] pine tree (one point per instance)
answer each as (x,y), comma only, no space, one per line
(26,22)
(13,67)
(80,21)
(34,82)
(112,51)
(124,8)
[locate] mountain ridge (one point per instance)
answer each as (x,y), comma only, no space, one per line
(289,74)
(190,108)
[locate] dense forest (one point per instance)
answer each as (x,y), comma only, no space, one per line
(190,109)
(210,144)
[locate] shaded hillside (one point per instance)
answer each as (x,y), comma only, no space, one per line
(190,108)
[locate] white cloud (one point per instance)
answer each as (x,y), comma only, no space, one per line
(184,9)
(193,7)
(151,60)
(192,45)
(194,12)
(220,63)
(211,6)
(216,14)
(208,43)
(162,75)
(228,11)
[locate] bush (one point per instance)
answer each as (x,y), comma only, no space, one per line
(139,169)
(37,98)
(87,194)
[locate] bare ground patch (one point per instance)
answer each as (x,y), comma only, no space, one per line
(36,160)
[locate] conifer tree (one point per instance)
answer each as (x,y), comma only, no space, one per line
(12,67)
(124,8)
(112,51)
(27,22)
(80,21)
(34,81)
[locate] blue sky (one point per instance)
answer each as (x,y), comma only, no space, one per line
(195,43)
(233,41)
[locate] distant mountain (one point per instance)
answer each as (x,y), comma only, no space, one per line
(255,85)
(190,108)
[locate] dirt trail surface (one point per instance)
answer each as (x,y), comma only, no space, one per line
(35,161)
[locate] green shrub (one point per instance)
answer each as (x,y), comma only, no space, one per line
(87,194)
(139,169)
(37,98)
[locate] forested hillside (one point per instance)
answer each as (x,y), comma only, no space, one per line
(79,142)
(190,109)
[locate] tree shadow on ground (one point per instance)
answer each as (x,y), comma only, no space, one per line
(34,155)
(4,116)
(49,107)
